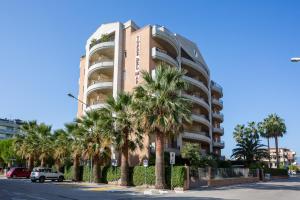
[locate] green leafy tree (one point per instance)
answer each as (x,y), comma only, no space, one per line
(7,152)
(248,145)
(274,127)
(191,153)
(162,109)
(125,132)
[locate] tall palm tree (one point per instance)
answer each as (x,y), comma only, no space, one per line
(26,143)
(125,134)
(95,139)
(162,109)
(61,148)
(76,141)
(44,140)
(275,127)
(263,133)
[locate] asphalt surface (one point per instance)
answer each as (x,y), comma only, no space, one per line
(23,189)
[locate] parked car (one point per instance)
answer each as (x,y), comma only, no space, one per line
(41,174)
(17,172)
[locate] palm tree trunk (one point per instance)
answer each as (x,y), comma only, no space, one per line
(43,162)
(30,162)
(57,165)
(124,162)
(96,169)
(277,154)
(76,172)
(269,164)
(159,161)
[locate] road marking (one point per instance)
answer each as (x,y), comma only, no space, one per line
(100,189)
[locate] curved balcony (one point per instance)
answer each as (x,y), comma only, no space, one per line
(196,66)
(197,100)
(219,144)
(163,56)
(217,88)
(200,136)
(99,86)
(217,102)
(219,130)
(101,46)
(201,119)
(95,106)
(196,83)
(99,66)
(218,116)
(164,34)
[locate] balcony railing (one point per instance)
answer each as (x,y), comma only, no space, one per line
(218,143)
(162,55)
(165,34)
(197,99)
(102,80)
(215,86)
(218,130)
(218,102)
(102,45)
(196,136)
(196,66)
(218,115)
(196,83)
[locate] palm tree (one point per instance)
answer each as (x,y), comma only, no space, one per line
(124,131)
(76,141)
(162,108)
(263,133)
(44,142)
(61,148)
(95,139)
(248,145)
(25,144)
(275,127)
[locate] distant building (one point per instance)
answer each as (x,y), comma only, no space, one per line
(286,157)
(9,128)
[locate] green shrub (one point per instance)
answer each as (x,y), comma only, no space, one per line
(86,173)
(111,174)
(68,174)
(139,172)
(277,172)
(178,176)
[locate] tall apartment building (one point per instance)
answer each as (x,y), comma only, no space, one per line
(9,128)
(286,157)
(117,53)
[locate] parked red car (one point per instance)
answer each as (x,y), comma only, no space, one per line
(16,172)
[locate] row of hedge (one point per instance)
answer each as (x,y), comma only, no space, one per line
(138,175)
(276,172)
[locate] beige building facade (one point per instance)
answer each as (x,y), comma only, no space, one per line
(115,56)
(286,157)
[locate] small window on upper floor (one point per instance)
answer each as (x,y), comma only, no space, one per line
(125,53)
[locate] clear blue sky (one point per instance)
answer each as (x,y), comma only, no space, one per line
(247,45)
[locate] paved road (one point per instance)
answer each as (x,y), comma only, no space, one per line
(22,189)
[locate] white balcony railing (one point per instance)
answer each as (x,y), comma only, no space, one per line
(98,86)
(163,56)
(196,83)
(219,116)
(219,143)
(196,66)
(201,136)
(219,130)
(165,34)
(197,100)
(216,87)
(102,45)
(99,66)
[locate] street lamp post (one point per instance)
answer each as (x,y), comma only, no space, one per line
(295,59)
(72,96)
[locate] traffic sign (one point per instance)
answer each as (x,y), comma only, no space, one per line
(145,163)
(114,162)
(172,158)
